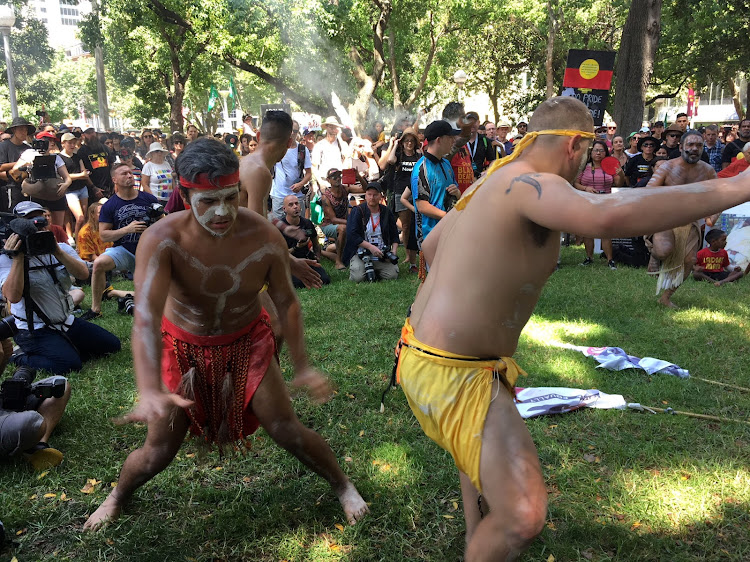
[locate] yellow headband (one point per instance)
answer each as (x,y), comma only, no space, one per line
(520,147)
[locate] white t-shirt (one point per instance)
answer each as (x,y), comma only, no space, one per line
(161,181)
(373,232)
(53,298)
(286,172)
(327,155)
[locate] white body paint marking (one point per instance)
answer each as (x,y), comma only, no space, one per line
(222,207)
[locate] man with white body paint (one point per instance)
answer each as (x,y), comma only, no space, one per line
(121,222)
(203,348)
(256,180)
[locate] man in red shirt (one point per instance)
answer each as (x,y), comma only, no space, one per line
(713,262)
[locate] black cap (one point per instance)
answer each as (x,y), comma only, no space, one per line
(374,185)
(439,128)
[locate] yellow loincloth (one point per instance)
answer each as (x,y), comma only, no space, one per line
(672,270)
(450,395)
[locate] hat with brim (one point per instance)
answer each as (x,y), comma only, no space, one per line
(87,128)
(21,122)
(333,171)
(673,128)
(67,137)
(656,142)
(155,147)
(374,185)
(25,208)
(49,135)
(331,121)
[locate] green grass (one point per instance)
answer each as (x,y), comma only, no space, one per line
(659,487)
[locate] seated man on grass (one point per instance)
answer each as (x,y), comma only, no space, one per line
(307,248)
(371,239)
(335,203)
(203,348)
(713,262)
(122,220)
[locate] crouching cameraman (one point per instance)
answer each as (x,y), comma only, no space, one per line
(28,413)
(371,239)
(35,278)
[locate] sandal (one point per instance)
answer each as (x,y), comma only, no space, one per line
(107,291)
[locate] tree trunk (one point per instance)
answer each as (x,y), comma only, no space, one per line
(369,82)
(735,91)
(747,98)
(176,121)
(635,63)
(554,15)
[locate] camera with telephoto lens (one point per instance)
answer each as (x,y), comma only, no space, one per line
(18,393)
(153,213)
(391,257)
(8,327)
(305,189)
(34,242)
(366,257)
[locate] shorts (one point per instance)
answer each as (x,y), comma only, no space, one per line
(54,205)
(21,430)
(79,194)
(124,260)
(717,275)
(221,374)
(450,395)
(331,231)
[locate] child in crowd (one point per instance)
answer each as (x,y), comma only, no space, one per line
(713,262)
(90,245)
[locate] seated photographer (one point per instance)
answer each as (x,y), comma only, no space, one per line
(302,241)
(122,220)
(371,239)
(335,203)
(35,278)
(28,415)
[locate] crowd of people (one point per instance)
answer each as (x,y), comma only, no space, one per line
(113,205)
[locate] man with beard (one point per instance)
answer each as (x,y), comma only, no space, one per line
(677,248)
(455,362)
(98,160)
(735,147)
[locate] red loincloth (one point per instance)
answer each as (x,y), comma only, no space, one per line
(221,374)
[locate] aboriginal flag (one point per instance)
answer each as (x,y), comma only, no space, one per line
(589,69)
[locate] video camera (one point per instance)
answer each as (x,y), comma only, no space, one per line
(153,213)
(18,393)
(35,243)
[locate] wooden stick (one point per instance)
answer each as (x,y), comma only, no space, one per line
(735,387)
(692,415)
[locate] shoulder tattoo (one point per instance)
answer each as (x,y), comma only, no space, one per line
(528,179)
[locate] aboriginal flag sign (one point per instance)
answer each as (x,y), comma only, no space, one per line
(588,76)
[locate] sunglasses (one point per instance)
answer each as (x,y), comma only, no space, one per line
(648,144)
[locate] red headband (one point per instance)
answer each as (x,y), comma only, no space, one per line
(203,182)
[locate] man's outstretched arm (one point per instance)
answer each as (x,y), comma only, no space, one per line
(550,201)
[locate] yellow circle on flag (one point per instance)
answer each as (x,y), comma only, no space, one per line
(589,69)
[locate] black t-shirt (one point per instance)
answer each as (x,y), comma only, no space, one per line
(731,150)
(10,152)
(638,168)
(481,151)
(98,164)
(309,228)
(72,164)
(402,172)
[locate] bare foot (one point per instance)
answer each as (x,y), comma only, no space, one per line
(664,300)
(109,511)
(718,284)
(353,504)
(340,266)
